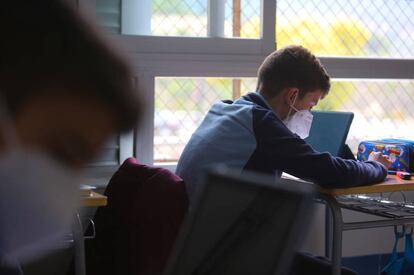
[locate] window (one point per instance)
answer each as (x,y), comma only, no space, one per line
(196,18)
(382,108)
(367,48)
(187,26)
(180,105)
(375,28)
(188,54)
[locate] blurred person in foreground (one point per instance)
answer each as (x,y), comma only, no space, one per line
(63,93)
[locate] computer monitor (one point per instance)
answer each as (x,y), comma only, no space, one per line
(329,131)
(242,224)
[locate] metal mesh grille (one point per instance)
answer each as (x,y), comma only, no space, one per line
(186,17)
(383,109)
(179,18)
(347,27)
(242,18)
(180,105)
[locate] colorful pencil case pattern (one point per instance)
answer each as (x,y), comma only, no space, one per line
(400,152)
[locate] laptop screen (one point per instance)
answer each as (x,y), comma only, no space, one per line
(242,225)
(329,131)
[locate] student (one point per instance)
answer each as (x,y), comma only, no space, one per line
(63,93)
(264,131)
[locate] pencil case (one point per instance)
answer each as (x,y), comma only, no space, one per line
(399,151)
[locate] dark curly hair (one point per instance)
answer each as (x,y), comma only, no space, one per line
(292,66)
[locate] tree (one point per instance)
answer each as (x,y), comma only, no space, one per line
(343,37)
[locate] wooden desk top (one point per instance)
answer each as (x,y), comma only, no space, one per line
(391,184)
(93,200)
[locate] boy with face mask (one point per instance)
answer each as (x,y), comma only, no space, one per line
(264,131)
(63,93)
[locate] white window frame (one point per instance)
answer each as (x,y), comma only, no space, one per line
(369,68)
(155,56)
(196,45)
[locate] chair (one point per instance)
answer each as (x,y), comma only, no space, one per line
(137,229)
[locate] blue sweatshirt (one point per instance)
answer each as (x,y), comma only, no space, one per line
(248,135)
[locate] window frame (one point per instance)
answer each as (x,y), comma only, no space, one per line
(195,45)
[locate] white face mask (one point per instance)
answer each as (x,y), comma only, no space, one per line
(300,122)
(38,199)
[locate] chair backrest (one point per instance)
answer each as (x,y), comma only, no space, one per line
(137,229)
(242,224)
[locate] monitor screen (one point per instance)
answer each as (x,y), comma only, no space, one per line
(329,131)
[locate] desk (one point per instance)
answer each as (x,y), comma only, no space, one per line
(330,196)
(93,199)
(391,184)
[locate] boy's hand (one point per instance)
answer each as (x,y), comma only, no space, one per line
(383,159)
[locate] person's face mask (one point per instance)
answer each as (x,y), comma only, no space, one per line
(38,198)
(300,122)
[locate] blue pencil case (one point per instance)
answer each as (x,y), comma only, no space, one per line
(399,151)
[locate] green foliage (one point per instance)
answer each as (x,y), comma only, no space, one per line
(343,37)
(221,85)
(173,93)
(195,94)
(340,92)
(169,7)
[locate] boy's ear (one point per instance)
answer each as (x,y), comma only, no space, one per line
(291,94)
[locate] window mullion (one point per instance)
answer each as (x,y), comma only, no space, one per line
(268,23)
(144,139)
(369,68)
(215,23)
(126,146)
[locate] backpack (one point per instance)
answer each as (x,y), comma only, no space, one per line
(404,264)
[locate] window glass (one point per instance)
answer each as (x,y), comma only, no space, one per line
(382,108)
(179,18)
(378,28)
(240,18)
(180,105)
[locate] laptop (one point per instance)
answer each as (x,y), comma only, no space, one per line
(329,131)
(242,224)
